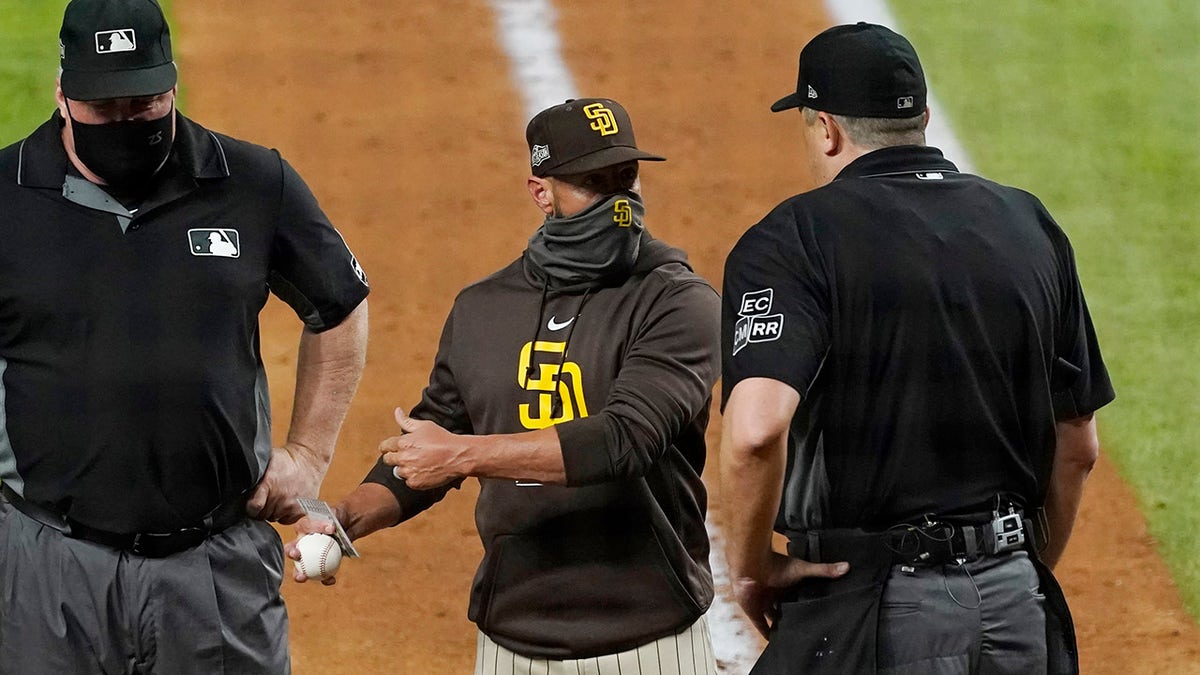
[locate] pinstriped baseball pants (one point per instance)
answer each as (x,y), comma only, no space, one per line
(688,653)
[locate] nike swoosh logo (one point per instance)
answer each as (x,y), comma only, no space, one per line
(555,325)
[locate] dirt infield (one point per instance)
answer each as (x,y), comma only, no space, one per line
(403,119)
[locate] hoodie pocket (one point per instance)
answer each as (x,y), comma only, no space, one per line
(585,591)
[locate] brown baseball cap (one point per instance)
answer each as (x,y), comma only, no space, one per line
(581,135)
(115,49)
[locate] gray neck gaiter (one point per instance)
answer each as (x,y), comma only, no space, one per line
(594,246)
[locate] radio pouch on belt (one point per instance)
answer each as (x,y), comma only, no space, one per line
(828,626)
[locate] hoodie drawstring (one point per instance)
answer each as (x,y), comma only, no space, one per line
(556,400)
(537,328)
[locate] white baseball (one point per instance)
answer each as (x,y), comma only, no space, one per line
(320,555)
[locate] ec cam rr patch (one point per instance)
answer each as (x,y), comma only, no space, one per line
(756,324)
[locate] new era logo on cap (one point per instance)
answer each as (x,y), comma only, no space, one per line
(112,41)
(812,93)
(540,154)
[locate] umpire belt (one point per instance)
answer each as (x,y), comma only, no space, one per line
(935,544)
(145,544)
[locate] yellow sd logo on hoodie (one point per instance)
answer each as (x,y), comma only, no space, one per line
(550,385)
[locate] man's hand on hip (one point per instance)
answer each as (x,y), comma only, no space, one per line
(759,598)
(292,472)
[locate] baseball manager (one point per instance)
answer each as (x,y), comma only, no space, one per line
(575,384)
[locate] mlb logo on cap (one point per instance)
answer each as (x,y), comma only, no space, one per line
(109,41)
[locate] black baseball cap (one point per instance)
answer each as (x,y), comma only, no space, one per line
(581,135)
(115,49)
(859,70)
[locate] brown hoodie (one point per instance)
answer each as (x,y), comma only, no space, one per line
(619,556)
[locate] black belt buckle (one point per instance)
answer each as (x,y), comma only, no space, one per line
(155,545)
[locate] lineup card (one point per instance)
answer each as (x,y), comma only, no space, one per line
(319,511)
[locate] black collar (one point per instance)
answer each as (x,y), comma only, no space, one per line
(43,160)
(896,160)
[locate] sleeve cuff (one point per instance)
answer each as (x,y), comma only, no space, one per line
(584,445)
(411,501)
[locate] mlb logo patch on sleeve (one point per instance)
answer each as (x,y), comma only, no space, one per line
(755,322)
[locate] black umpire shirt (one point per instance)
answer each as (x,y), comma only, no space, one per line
(933,323)
(133,394)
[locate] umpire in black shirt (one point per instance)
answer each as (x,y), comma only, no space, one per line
(135,433)
(910,377)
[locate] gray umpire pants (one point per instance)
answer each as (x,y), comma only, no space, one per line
(985,616)
(71,606)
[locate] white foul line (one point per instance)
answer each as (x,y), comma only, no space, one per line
(531,42)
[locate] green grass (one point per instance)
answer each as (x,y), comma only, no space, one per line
(28,65)
(1095,107)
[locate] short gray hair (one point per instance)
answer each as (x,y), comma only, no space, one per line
(878,132)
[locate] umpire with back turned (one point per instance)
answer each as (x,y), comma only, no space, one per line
(135,437)
(910,377)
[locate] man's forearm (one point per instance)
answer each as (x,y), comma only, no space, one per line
(328,369)
(754,435)
(748,475)
(1077,449)
(530,455)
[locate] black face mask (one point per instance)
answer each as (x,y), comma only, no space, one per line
(125,154)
